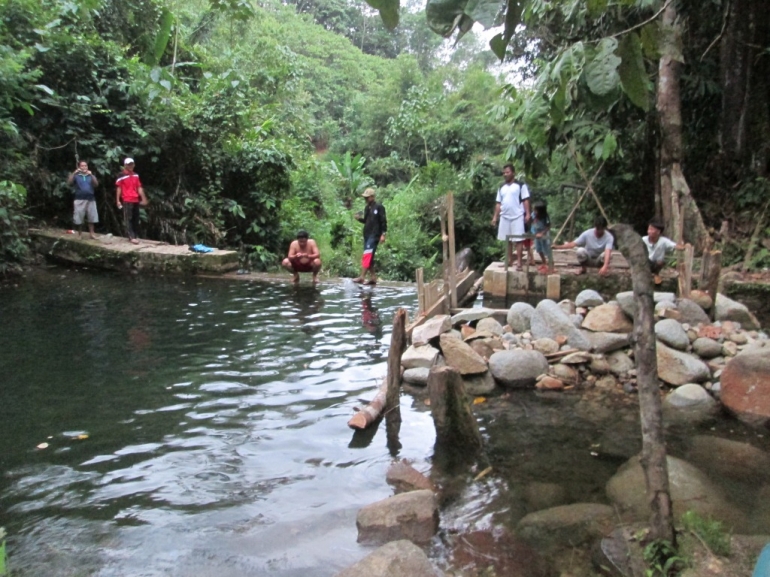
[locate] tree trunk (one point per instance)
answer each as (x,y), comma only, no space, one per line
(653,442)
(684,221)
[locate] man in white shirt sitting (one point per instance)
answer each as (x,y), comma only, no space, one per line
(657,247)
(594,247)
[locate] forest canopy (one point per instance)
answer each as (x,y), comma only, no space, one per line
(249,120)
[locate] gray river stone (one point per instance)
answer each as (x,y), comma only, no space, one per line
(690,396)
(608,318)
(627,302)
(545,346)
(620,363)
(422,356)
(659,296)
(490,325)
(461,356)
(607,342)
(431,329)
(412,516)
(706,348)
(671,332)
(416,376)
(678,368)
(588,298)
(550,321)
(572,525)
(691,313)
(519,317)
(730,310)
(470,315)
(517,368)
(690,489)
(395,559)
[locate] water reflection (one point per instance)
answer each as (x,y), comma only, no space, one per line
(370,317)
(308,303)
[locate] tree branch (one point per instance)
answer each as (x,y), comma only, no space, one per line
(653,17)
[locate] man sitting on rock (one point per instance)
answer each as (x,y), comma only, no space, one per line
(657,247)
(594,247)
(304,256)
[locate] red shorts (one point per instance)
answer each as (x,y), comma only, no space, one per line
(299,266)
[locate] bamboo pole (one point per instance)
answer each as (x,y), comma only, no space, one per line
(420,291)
(452,260)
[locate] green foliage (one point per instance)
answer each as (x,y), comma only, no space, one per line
(13,238)
(662,559)
(710,531)
(350,172)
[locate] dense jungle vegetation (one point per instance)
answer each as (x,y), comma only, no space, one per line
(250,119)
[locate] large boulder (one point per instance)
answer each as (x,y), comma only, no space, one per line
(732,459)
(517,368)
(470,315)
(678,368)
(746,387)
(462,357)
(497,552)
(550,321)
(690,488)
(730,310)
(395,559)
(519,316)
(404,478)
(607,342)
(627,302)
(588,298)
(689,403)
(412,516)
(431,329)
(573,524)
(671,332)
(422,356)
(691,313)
(608,318)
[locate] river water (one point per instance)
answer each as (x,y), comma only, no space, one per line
(197,427)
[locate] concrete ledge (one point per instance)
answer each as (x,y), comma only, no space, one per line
(116,253)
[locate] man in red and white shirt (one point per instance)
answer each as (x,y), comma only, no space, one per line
(129,195)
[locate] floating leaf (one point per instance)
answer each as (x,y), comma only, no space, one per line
(483,11)
(479,400)
(42,446)
(45,89)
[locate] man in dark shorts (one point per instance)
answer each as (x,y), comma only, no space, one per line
(129,196)
(375,227)
(304,256)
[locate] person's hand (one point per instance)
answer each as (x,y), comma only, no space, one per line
(120,206)
(382,237)
(494,221)
(604,271)
(538,235)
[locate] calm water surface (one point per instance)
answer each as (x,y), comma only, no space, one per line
(215,414)
(216,419)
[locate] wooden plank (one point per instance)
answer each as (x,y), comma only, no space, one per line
(452,255)
(464,283)
(553,287)
(420,290)
(440,307)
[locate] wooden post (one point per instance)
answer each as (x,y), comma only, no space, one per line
(420,291)
(711,268)
(444,252)
(397,347)
(653,458)
(684,266)
(456,429)
(450,210)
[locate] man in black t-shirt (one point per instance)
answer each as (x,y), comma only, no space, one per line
(375,227)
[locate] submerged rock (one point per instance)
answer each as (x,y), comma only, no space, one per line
(395,559)
(478,385)
(404,478)
(412,516)
(574,524)
(730,458)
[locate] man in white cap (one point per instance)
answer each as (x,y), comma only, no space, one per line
(129,195)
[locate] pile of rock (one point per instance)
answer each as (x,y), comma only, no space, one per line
(586,343)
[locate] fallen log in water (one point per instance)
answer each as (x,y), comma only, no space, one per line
(370,412)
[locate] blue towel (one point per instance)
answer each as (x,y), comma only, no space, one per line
(762,568)
(201,248)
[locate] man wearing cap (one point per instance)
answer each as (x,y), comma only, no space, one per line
(375,228)
(130,196)
(304,256)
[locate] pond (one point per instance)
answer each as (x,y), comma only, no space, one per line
(197,427)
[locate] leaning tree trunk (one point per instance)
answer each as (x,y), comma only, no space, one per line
(681,215)
(650,407)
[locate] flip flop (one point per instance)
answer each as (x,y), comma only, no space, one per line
(371,282)
(359,280)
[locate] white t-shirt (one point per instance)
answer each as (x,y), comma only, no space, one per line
(657,252)
(508,197)
(594,245)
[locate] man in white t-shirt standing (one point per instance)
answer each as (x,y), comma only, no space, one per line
(512,210)
(594,247)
